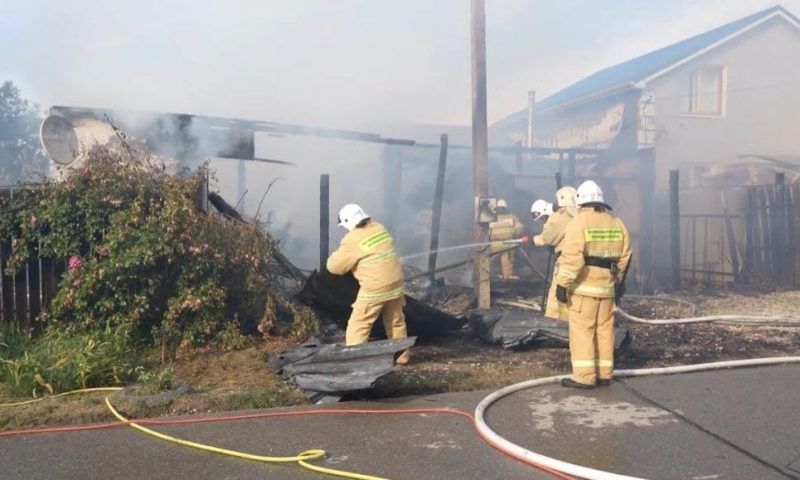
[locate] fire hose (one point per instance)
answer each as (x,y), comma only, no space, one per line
(752,320)
(534,458)
(302,459)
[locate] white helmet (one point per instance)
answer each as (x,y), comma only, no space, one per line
(351,215)
(502,203)
(541,208)
(566,196)
(589,192)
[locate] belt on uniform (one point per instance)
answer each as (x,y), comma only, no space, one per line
(600,262)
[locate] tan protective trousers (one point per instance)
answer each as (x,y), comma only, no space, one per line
(507,263)
(591,338)
(554,309)
(364,315)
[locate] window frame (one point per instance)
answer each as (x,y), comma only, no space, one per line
(695,79)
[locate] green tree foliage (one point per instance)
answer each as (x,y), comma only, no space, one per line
(20,155)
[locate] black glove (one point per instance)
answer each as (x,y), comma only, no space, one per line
(561,294)
(619,291)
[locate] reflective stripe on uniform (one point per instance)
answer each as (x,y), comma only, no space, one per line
(605,363)
(584,363)
(378,258)
(604,253)
(590,291)
(613,234)
(381,296)
(374,240)
(567,274)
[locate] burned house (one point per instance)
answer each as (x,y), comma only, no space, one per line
(721,108)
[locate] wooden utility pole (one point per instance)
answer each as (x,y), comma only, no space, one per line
(480,147)
(438,197)
(324,220)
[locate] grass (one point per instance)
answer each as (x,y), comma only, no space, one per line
(59,361)
(220,380)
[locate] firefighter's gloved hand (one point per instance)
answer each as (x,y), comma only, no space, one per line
(561,294)
(619,291)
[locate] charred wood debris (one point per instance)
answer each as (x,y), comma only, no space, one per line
(327,371)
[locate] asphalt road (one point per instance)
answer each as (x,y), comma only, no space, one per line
(735,424)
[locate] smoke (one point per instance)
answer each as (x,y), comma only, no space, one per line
(365,65)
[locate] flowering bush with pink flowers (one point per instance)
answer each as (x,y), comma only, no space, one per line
(144,259)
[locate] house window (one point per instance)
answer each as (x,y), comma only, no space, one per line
(707,92)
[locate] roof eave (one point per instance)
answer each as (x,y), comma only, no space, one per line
(779,13)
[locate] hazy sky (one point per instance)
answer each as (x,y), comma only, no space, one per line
(339,63)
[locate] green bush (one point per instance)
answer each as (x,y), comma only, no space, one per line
(60,361)
(144,260)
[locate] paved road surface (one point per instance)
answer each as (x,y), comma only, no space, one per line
(735,424)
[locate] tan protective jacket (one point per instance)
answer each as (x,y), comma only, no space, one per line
(554,228)
(369,253)
(506,227)
(593,234)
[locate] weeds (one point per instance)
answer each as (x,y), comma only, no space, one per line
(61,361)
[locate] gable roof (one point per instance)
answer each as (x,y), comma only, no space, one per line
(654,64)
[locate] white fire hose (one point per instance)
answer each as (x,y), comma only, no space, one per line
(533,458)
(724,319)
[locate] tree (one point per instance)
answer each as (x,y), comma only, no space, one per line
(20,154)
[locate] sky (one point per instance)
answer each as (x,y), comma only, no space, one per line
(355,64)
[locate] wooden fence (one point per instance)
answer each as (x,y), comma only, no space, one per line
(25,295)
(735,235)
(771,253)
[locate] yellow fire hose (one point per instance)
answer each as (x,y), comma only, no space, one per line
(302,459)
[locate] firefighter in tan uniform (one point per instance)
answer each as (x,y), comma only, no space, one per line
(555,224)
(594,259)
(506,227)
(367,250)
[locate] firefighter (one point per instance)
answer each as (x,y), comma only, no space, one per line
(553,235)
(506,227)
(367,250)
(595,255)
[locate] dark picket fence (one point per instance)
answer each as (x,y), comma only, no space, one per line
(26,294)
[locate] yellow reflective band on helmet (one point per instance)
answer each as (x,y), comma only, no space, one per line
(605,363)
(592,291)
(613,234)
(584,363)
(374,240)
(378,258)
(381,296)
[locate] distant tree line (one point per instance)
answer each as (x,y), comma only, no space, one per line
(20,153)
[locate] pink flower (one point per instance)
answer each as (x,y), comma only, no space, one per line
(74,262)
(33,221)
(70,187)
(103,251)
